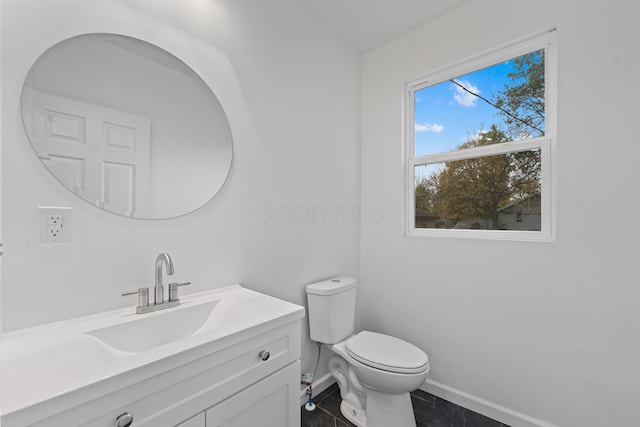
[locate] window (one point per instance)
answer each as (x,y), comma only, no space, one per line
(480,146)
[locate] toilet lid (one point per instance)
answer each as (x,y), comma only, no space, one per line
(387,353)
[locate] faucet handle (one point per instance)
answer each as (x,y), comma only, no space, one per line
(143,296)
(173,290)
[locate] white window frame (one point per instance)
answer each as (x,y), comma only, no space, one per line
(546,144)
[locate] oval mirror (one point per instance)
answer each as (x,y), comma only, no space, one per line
(126,126)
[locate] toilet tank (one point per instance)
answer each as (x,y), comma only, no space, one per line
(332,309)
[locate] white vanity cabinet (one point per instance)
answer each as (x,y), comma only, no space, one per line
(196,421)
(248,376)
(232,383)
(272,402)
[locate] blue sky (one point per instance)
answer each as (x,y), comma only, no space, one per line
(446,116)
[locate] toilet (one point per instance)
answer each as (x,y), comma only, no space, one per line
(375,372)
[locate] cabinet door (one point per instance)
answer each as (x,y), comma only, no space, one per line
(197,421)
(271,402)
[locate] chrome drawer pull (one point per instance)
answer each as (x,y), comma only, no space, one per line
(264,355)
(124,420)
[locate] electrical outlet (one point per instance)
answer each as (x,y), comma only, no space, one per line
(54,219)
(54,231)
(54,225)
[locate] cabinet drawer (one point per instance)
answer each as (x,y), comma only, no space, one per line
(174,396)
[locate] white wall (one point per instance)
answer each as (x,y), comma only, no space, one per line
(547,330)
(1,174)
(291,90)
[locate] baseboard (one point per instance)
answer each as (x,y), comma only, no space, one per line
(481,406)
(319,385)
(453,395)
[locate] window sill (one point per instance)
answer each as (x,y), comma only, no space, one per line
(519,236)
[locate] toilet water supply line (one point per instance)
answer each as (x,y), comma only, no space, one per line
(307,380)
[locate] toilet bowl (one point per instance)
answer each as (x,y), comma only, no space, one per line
(375,372)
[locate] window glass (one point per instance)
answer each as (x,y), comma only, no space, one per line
(509,95)
(480,145)
(499,192)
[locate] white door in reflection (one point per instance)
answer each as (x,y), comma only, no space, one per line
(101,154)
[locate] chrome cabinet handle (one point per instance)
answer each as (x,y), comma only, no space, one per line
(124,420)
(264,355)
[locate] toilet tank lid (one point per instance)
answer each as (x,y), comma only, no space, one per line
(332,286)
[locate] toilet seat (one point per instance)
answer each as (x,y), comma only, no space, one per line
(387,353)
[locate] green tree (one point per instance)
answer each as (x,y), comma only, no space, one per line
(475,188)
(426,190)
(522,104)
(522,101)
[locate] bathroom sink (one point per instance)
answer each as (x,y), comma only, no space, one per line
(74,361)
(147,331)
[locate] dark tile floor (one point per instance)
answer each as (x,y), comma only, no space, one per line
(430,411)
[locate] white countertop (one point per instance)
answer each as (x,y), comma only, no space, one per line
(54,366)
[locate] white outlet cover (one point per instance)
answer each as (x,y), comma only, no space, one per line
(45,222)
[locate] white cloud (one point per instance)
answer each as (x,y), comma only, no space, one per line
(463,97)
(429,127)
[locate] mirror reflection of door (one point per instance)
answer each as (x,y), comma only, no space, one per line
(99,153)
(127,126)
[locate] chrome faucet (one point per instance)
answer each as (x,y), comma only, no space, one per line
(158,290)
(165,259)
